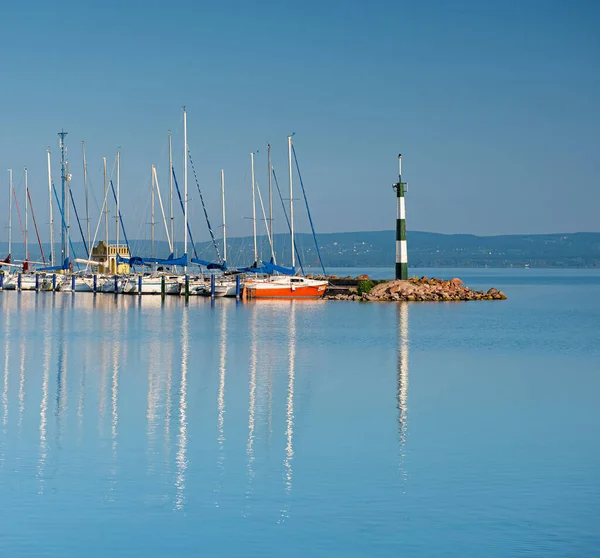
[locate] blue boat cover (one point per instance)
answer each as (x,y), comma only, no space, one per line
(210,265)
(280,269)
(62,267)
(171,260)
(268,268)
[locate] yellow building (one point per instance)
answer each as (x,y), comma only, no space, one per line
(106,256)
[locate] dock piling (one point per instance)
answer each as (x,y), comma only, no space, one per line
(95,283)
(237,287)
(140,285)
(18,282)
(37,282)
(212,285)
(187,286)
(116,284)
(54,282)
(162,286)
(1,280)
(72,283)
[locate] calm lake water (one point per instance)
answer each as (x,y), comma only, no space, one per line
(131,427)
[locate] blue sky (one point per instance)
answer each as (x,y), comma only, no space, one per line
(494,106)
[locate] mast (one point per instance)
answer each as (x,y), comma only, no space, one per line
(223,208)
(291,202)
(118,197)
(10,189)
(105,209)
(171,192)
(270,172)
(254,209)
(50,212)
(152,219)
(85,188)
(162,209)
(185,173)
(26,211)
(64,248)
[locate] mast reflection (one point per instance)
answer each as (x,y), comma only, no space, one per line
(251,401)
(114,404)
(22,373)
(61,377)
(44,401)
(6,369)
(403,383)
(168,402)
(221,402)
(103,367)
(181,460)
(153,400)
(289,419)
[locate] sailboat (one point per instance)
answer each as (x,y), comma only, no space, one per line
(288,285)
(29,280)
(8,283)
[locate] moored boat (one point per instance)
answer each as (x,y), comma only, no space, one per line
(151,284)
(285,287)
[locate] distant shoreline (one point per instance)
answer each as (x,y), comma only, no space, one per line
(376,249)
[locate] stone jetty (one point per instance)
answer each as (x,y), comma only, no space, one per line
(415,289)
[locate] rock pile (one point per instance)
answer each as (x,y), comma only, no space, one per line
(423,289)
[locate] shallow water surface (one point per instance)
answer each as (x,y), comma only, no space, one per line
(133,427)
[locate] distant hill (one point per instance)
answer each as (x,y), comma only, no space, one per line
(377,249)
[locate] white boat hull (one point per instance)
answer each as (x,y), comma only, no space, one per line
(10,282)
(82,285)
(150,285)
(108,286)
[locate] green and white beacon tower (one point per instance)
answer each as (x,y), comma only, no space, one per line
(401,249)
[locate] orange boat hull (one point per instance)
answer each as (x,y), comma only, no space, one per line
(305,291)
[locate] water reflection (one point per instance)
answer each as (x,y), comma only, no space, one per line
(83,346)
(182,462)
(402,310)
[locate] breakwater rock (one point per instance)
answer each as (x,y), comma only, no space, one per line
(415,289)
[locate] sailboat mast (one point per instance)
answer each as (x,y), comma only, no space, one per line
(223,208)
(26,212)
(85,188)
(185,185)
(50,212)
(118,198)
(63,181)
(254,209)
(171,191)
(105,209)
(270,173)
(152,219)
(291,202)
(10,188)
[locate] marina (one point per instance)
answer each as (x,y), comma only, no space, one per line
(111,267)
